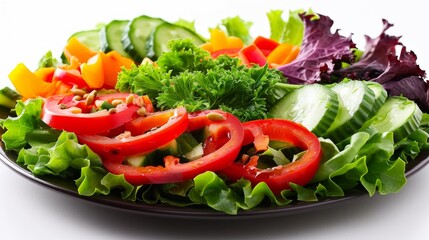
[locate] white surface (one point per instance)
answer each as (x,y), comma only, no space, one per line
(27,210)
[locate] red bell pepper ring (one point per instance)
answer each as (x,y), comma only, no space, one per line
(58,113)
(156,130)
(278,178)
(220,125)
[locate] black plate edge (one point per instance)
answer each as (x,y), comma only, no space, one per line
(163,210)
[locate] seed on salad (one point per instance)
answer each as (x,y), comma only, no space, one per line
(62,106)
(116,102)
(124,135)
(77,98)
(214,116)
(147,61)
(129,99)
(139,101)
(75,110)
(112,110)
(90,99)
(78,91)
(141,111)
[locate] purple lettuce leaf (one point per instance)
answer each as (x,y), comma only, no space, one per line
(321,52)
(399,75)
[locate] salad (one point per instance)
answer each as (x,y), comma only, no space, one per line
(157,113)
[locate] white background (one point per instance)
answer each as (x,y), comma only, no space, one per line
(30,28)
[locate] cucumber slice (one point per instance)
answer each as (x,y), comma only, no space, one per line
(111,37)
(315,106)
(135,36)
(153,158)
(164,33)
(398,115)
(380,94)
(91,38)
(8,97)
(356,103)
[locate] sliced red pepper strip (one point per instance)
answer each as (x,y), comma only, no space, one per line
(57,113)
(173,170)
(251,54)
(278,178)
(266,45)
(163,128)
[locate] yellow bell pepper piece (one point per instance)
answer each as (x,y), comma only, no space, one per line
(218,39)
(28,85)
(234,42)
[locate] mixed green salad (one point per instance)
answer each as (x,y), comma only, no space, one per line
(157,113)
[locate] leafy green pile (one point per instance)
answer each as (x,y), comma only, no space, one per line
(187,76)
(374,161)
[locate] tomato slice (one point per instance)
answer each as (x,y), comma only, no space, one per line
(278,178)
(63,112)
(220,125)
(141,136)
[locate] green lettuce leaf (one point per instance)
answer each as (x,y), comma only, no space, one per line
(294,29)
(291,30)
(277,24)
(20,129)
(236,26)
(66,154)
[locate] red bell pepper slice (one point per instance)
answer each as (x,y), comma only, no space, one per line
(156,130)
(63,112)
(251,54)
(220,125)
(278,178)
(266,45)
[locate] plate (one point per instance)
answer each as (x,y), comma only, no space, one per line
(68,187)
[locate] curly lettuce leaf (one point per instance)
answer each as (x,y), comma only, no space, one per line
(66,154)
(211,190)
(367,161)
(27,123)
(96,180)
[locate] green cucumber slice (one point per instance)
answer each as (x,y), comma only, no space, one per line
(158,41)
(380,94)
(135,36)
(111,37)
(90,38)
(8,97)
(398,115)
(356,103)
(315,106)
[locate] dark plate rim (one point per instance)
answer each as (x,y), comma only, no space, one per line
(163,210)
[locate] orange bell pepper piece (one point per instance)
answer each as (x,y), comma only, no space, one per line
(292,55)
(92,71)
(77,49)
(283,54)
(28,84)
(208,46)
(113,62)
(45,73)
